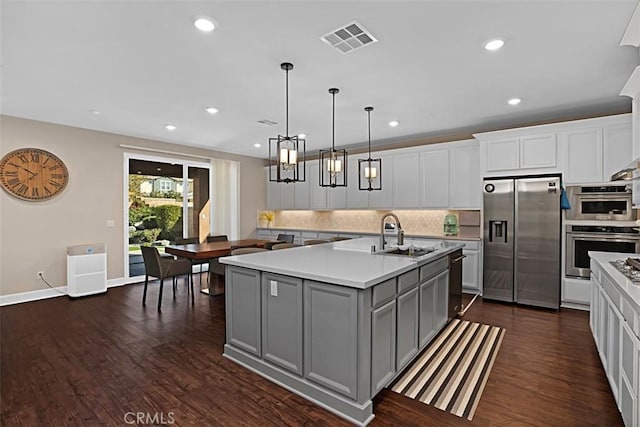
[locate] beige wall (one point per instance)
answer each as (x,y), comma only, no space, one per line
(34,235)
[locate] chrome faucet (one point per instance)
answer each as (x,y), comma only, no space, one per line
(400,230)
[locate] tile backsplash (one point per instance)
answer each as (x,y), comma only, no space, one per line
(413,221)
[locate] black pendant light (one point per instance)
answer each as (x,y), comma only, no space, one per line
(369,170)
(333,163)
(287,153)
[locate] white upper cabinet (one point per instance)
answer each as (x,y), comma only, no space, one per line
(383,199)
(356,199)
(406,181)
(513,153)
(317,194)
(583,151)
(434,179)
(464,177)
(618,148)
(538,151)
(502,154)
(301,192)
(593,154)
(282,196)
(287,196)
(449,175)
(273,191)
(337,196)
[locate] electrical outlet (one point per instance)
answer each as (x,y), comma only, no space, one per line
(274,288)
(40,274)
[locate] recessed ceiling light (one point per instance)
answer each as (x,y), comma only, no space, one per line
(394,123)
(514,101)
(170,127)
(494,44)
(95,112)
(204,24)
(302,136)
(211,110)
(257,145)
(158,169)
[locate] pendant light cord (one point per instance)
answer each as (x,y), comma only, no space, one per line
(287,104)
(333,126)
(369,110)
(369,121)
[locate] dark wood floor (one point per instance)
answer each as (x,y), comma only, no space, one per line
(91,361)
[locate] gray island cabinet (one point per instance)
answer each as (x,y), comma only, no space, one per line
(334,326)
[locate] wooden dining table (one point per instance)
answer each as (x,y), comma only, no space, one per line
(207,251)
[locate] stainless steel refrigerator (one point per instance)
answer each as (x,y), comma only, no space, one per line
(522,240)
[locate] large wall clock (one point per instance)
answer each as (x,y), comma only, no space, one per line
(33,174)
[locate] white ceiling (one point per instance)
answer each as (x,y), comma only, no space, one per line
(143,64)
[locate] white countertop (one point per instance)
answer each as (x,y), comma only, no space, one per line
(626,286)
(347,263)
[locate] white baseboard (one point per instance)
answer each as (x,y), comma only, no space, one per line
(59,291)
(32,295)
(575,306)
(121,281)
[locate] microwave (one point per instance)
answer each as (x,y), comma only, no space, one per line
(609,202)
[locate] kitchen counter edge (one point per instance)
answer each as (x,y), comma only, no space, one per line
(255,261)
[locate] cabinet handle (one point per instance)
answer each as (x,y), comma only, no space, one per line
(458,259)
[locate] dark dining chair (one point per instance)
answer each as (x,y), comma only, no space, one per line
(286,238)
(192,241)
(282,238)
(218,269)
(219,238)
(187,240)
(284,246)
(315,242)
(161,268)
(214,265)
(242,251)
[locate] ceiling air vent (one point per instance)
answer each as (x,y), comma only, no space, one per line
(267,122)
(349,37)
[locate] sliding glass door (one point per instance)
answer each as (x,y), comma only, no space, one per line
(162,205)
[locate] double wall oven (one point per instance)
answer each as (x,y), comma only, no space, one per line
(601,220)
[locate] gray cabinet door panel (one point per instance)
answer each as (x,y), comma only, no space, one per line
(442,298)
(243,309)
(331,336)
(282,321)
(407,331)
(383,345)
(427,327)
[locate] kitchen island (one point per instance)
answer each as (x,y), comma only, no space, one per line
(334,322)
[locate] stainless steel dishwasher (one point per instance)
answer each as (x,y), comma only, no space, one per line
(455,283)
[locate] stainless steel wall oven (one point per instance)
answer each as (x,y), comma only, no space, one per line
(612,202)
(584,238)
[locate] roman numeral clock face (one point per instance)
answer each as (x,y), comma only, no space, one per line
(33,174)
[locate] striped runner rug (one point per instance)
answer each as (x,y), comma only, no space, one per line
(453,370)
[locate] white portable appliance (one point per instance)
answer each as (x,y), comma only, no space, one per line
(86,269)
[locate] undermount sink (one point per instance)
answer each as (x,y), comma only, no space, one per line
(410,252)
